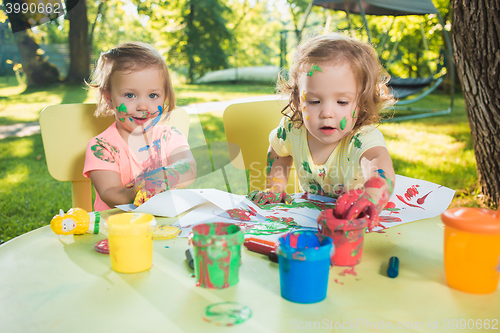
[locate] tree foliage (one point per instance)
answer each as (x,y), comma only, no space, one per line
(197,36)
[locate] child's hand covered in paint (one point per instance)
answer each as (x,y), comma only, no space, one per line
(268,197)
(370,200)
(153,182)
(356,202)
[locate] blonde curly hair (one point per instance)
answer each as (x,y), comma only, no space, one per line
(373,94)
(130,56)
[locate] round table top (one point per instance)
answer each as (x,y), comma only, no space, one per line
(61,284)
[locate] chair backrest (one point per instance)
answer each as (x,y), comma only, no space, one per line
(66,130)
(248,126)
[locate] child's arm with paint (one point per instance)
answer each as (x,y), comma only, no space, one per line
(277,170)
(180,173)
(110,188)
(376,165)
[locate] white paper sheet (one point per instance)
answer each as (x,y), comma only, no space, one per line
(412,200)
(175,202)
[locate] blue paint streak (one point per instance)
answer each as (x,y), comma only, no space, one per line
(144,148)
(156,120)
(381,173)
(156,144)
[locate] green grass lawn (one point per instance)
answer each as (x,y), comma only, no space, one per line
(437,149)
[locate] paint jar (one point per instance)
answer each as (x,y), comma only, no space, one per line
(347,235)
(130,237)
(217,254)
(304,265)
(472,249)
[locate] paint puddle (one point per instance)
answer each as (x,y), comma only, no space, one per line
(227,313)
(102,246)
(348,271)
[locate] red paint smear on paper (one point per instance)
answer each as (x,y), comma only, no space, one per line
(421,200)
(337,281)
(411,192)
(409,204)
(390,219)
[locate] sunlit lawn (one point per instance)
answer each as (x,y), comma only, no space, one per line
(20,105)
(437,149)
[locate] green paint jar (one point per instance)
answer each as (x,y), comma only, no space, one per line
(217,254)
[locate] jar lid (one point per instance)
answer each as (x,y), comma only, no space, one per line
(166,232)
(475,220)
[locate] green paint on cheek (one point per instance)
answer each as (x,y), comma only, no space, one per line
(343,122)
(121,119)
(122,108)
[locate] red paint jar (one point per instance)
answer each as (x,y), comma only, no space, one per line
(347,235)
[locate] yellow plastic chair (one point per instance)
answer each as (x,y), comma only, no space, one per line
(66,130)
(248,125)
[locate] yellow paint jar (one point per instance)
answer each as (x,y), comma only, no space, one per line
(130,237)
(472,249)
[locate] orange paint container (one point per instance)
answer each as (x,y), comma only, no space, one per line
(130,238)
(472,249)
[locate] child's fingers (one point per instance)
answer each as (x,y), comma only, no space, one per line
(252,194)
(358,207)
(345,201)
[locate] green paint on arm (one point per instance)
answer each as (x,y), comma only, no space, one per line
(270,162)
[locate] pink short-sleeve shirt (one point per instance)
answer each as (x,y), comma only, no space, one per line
(108,151)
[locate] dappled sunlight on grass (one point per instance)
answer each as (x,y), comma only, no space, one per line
(21,104)
(187,94)
(29,196)
(8,89)
(18,175)
(438,150)
(20,148)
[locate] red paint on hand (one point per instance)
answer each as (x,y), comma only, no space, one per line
(390,204)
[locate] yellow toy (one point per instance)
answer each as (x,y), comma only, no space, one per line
(76,221)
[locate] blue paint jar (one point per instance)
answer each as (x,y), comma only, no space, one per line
(304,264)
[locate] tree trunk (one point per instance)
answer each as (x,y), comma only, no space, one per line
(476,35)
(100,14)
(79,63)
(190,42)
(38,70)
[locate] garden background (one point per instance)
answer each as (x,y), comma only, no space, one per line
(198,37)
